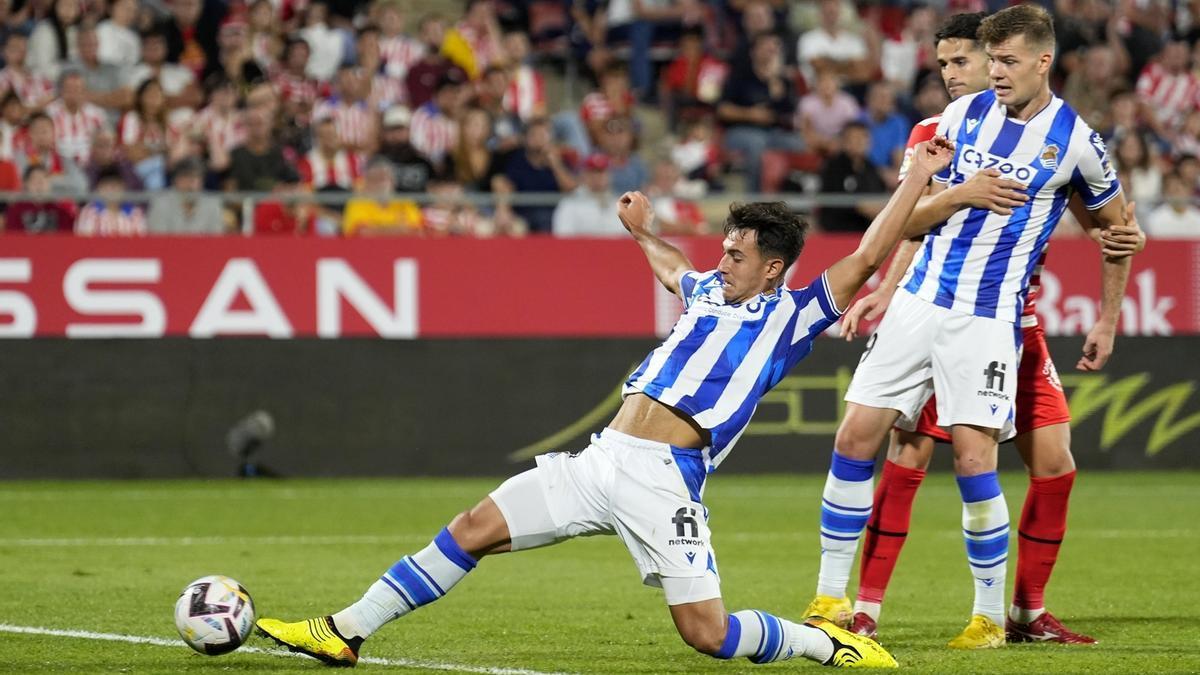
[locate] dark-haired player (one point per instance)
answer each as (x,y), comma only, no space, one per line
(642,478)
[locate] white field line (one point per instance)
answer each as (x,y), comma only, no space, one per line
(346,540)
(177,644)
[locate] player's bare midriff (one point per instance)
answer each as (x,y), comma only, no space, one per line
(644,417)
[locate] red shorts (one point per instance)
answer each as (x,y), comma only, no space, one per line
(1040,398)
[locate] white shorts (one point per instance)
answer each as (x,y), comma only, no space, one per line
(625,486)
(919,348)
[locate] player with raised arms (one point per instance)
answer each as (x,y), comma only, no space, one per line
(642,478)
(1043,418)
(954,322)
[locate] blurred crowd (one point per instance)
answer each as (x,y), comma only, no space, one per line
(372,103)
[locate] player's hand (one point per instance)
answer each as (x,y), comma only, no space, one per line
(1097,348)
(1124,240)
(870,307)
(933,155)
(988,190)
(636,212)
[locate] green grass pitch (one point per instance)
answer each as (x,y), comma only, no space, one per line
(112,557)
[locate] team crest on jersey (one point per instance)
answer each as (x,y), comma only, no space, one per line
(1049,157)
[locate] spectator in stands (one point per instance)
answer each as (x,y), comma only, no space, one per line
(356,120)
(218,128)
(1188,140)
(40,147)
(34,90)
(906,56)
(591,210)
(1168,89)
(191,34)
(1082,24)
(758,17)
(1133,155)
(851,172)
(640,23)
(12,121)
(39,217)
(692,83)
(399,51)
(626,168)
(1188,168)
(757,107)
(105,82)
(424,75)
(471,162)
(383,90)
(258,164)
(372,212)
(824,112)
(480,30)
(1090,89)
(1126,114)
(536,167)
(413,171)
(506,126)
(298,91)
(120,45)
(178,82)
(1178,217)
(327,44)
(75,119)
(526,95)
(329,166)
(184,209)
(263,36)
(931,98)
(235,55)
(106,158)
(830,48)
(110,216)
(434,130)
(889,130)
(53,41)
(673,214)
(613,98)
(696,152)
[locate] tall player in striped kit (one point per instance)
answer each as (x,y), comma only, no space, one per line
(642,478)
(1042,419)
(1022,152)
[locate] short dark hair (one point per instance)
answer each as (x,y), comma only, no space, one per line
(778,231)
(856,125)
(1032,21)
(29,170)
(960,27)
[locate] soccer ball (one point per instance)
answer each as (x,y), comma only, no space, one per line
(214,615)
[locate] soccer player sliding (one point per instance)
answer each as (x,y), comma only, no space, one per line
(642,478)
(1022,154)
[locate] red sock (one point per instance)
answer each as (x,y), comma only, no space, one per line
(1043,524)
(887,529)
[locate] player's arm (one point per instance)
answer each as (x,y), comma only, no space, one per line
(847,275)
(876,302)
(1114,275)
(985,190)
(1123,239)
(669,263)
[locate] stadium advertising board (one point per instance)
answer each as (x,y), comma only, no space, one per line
(435,288)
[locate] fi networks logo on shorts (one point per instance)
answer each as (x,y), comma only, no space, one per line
(994,376)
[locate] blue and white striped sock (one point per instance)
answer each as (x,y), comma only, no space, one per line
(764,638)
(985,529)
(845,508)
(414,581)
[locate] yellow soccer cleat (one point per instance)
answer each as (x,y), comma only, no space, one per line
(852,651)
(981,633)
(837,610)
(317,638)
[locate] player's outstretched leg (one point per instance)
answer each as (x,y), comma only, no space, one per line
(985,530)
(764,638)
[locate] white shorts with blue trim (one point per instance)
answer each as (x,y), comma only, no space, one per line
(646,493)
(920,348)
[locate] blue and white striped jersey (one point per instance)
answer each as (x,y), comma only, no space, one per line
(978,262)
(720,359)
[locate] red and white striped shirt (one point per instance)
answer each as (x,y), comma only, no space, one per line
(1171,96)
(221,130)
(73,130)
(11,138)
(318,171)
(486,50)
(432,133)
(298,88)
(33,90)
(355,122)
(596,106)
(399,53)
(131,130)
(386,92)
(97,220)
(526,94)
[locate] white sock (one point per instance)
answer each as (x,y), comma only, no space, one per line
(871,609)
(1022,615)
(985,530)
(845,509)
(764,638)
(414,581)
